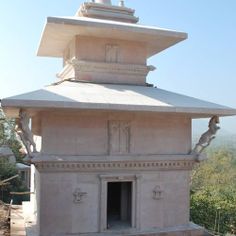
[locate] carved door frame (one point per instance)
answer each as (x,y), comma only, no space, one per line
(135,202)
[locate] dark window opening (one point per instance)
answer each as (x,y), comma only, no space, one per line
(119,199)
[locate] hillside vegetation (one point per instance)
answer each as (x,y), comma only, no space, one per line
(213,192)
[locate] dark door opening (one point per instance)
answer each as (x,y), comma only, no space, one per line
(119,196)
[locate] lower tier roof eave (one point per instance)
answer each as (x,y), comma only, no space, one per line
(112,97)
(13,110)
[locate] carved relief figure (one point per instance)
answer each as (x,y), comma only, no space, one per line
(157,193)
(78,195)
(119,137)
(208,136)
(111,53)
(23,130)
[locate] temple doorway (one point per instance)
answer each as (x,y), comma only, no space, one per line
(119,204)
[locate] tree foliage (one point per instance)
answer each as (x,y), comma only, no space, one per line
(7,170)
(8,136)
(213,192)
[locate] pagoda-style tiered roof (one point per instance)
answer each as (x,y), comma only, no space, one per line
(105,56)
(59,31)
(77,95)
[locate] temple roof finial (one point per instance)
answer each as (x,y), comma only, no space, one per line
(121,3)
(105,10)
(106,2)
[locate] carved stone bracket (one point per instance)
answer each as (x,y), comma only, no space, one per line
(206,138)
(78,195)
(24,132)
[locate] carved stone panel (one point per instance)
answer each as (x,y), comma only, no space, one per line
(78,195)
(119,137)
(124,137)
(111,53)
(157,193)
(114,137)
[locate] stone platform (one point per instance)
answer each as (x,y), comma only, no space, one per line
(190,230)
(17,226)
(22,224)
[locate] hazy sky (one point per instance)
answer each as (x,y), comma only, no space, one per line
(203,66)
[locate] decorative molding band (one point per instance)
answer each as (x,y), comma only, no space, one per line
(120,177)
(106,67)
(114,165)
(74,67)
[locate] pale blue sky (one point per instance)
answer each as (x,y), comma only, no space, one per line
(203,66)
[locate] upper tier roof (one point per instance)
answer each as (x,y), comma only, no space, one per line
(77,95)
(59,31)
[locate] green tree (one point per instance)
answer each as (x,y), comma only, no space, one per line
(8,136)
(7,170)
(213,192)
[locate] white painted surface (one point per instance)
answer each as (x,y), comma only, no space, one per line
(59,31)
(77,95)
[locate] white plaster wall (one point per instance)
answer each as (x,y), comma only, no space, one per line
(160,134)
(33,189)
(86,214)
(86,133)
(37,190)
(70,51)
(111,78)
(177,199)
(74,134)
(173,208)
(58,212)
(151,211)
(93,49)
(55,204)
(38,142)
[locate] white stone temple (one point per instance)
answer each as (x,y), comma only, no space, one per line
(114,154)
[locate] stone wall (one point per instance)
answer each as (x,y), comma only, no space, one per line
(88,133)
(61,213)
